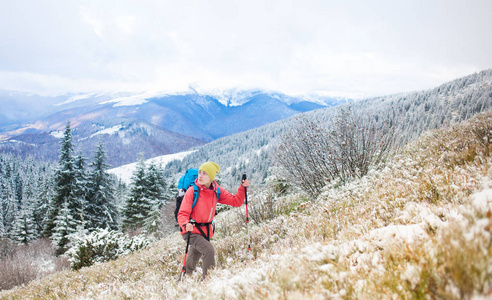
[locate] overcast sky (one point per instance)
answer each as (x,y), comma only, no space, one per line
(341,48)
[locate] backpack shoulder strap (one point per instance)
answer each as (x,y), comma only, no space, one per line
(196,194)
(218,194)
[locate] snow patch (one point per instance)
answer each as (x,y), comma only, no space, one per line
(19,142)
(391,233)
(76,98)
(318,252)
(109,131)
(482,201)
(57,134)
(125,172)
(137,99)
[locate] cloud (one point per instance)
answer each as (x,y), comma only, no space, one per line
(96,24)
(362,47)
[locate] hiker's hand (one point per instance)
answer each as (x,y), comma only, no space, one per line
(245,183)
(189,227)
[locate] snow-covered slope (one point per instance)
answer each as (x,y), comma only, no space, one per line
(420,226)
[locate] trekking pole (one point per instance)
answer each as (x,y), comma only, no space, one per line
(247,215)
(183,270)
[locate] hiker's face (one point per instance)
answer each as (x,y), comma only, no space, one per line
(204,179)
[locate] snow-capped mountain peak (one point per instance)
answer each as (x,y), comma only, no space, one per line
(131,100)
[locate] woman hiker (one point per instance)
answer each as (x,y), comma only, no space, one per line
(196,221)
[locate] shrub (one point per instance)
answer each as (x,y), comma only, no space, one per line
(7,248)
(102,245)
(20,264)
(312,153)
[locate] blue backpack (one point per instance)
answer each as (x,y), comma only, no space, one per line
(187,180)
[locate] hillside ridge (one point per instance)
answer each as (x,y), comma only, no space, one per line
(409,229)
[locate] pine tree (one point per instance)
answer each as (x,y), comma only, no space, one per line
(81,190)
(138,205)
(170,192)
(121,190)
(65,186)
(64,226)
(101,208)
(155,182)
(41,203)
(153,222)
(24,229)
(2,227)
(155,192)
(31,173)
(2,195)
(8,207)
(18,184)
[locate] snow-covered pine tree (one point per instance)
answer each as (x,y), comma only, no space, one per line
(155,181)
(2,195)
(18,184)
(41,205)
(65,186)
(155,191)
(3,204)
(138,205)
(101,211)
(81,188)
(153,222)
(2,227)
(19,187)
(120,192)
(24,229)
(7,201)
(65,225)
(30,175)
(170,192)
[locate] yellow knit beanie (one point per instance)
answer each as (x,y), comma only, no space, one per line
(211,169)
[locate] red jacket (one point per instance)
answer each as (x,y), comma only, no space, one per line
(204,210)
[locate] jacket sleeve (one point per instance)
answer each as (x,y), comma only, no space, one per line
(230,199)
(185,208)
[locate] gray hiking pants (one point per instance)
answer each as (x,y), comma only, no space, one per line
(199,247)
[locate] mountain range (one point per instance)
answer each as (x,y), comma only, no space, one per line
(414,113)
(129,124)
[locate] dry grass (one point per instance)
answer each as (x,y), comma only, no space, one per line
(20,264)
(419,229)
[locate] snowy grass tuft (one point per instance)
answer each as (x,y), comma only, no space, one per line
(419,228)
